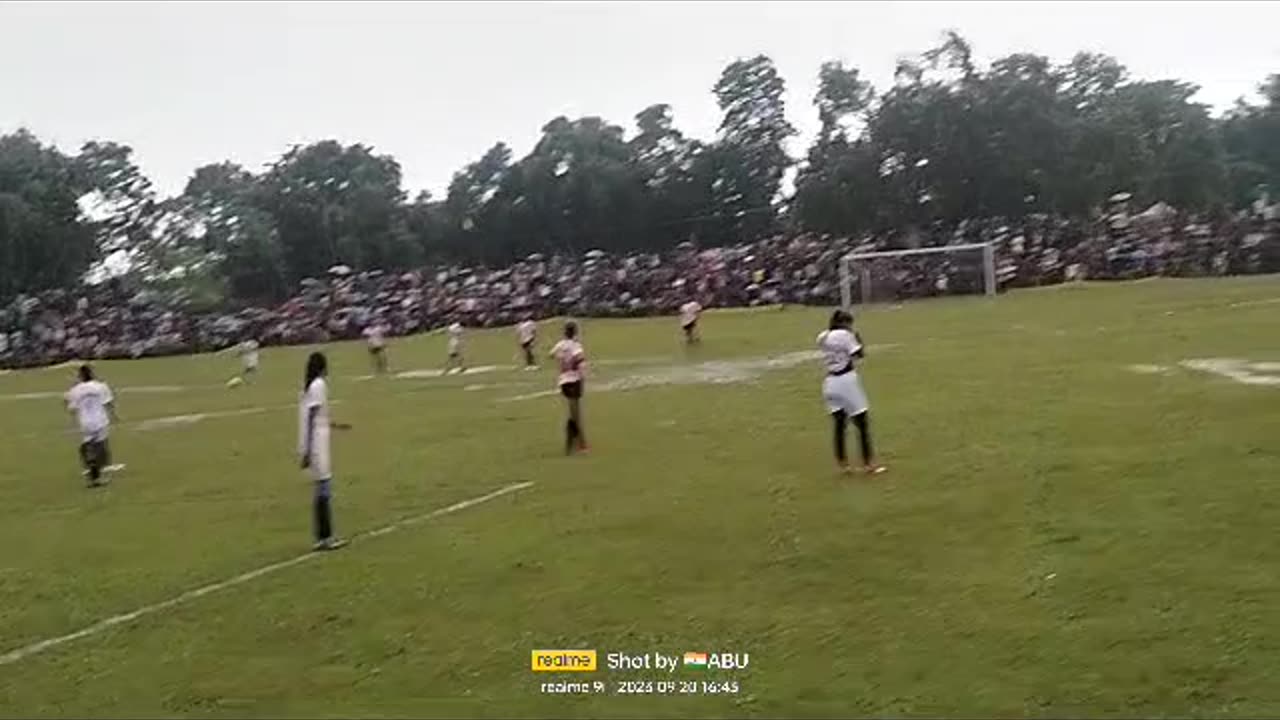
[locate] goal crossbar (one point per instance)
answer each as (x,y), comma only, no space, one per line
(915,251)
(847,262)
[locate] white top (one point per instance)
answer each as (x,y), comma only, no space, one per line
(249,353)
(527,331)
(689,312)
(316,396)
(89,401)
(375,335)
(570,357)
(838,348)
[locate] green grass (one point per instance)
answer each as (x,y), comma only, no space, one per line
(1057,534)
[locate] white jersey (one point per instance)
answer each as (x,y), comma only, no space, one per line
(249,353)
(689,313)
(843,391)
(316,396)
(376,336)
(89,401)
(527,331)
(455,338)
(570,358)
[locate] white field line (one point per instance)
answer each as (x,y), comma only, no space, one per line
(35,648)
(712,372)
(1252,303)
(165,422)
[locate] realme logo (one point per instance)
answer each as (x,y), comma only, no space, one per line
(564,660)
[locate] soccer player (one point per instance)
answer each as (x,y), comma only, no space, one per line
(842,389)
(455,359)
(248,351)
(314,424)
(93,405)
(689,314)
(375,335)
(571,360)
(527,333)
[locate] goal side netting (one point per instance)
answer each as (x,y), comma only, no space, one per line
(898,275)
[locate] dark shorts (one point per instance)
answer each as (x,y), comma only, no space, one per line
(527,345)
(377,350)
(689,328)
(572,390)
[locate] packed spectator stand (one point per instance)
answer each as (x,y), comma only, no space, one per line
(105,321)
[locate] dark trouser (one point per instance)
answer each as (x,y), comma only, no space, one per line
(574,437)
(860,421)
(95,456)
(528,353)
(322,512)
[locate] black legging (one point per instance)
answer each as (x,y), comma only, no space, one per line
(860,421)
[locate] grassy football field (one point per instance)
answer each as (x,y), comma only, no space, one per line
(1074,522)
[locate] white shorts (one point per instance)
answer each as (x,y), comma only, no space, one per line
(844,392)
(455,347)
(88,436)
(320,468)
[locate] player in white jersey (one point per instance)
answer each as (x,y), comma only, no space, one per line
(689,314)
(314,424)
(455,359)
(571,361)
(92,404)
(842,388)
(527,333)
(248,352)
(375,336)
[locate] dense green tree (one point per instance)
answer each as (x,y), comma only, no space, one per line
(43,241)
(750,157)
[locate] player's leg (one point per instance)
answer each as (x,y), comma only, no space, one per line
(862,421)
(575,410)
(89,458)
(384,364)
(323,515)
(839,421)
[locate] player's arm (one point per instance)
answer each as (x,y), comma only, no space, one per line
(859,351)
(309,434)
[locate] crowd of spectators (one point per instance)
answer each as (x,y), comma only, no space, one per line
(106,321)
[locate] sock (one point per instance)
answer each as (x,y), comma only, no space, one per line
(570,434)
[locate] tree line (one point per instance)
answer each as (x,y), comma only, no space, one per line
(948,140)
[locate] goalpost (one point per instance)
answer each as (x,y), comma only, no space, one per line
(893,275)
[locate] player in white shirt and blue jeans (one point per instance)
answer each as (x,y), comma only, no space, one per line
(93,405)
(842,388)
(313,447)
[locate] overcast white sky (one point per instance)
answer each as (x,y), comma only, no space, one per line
(435,84)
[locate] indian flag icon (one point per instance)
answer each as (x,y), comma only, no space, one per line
(695,660)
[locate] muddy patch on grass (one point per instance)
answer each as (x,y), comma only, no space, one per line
(1142,369)
(1242,371)
(439,372)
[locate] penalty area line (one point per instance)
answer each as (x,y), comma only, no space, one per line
(38,647)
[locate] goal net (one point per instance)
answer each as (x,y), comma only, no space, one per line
(897,275)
